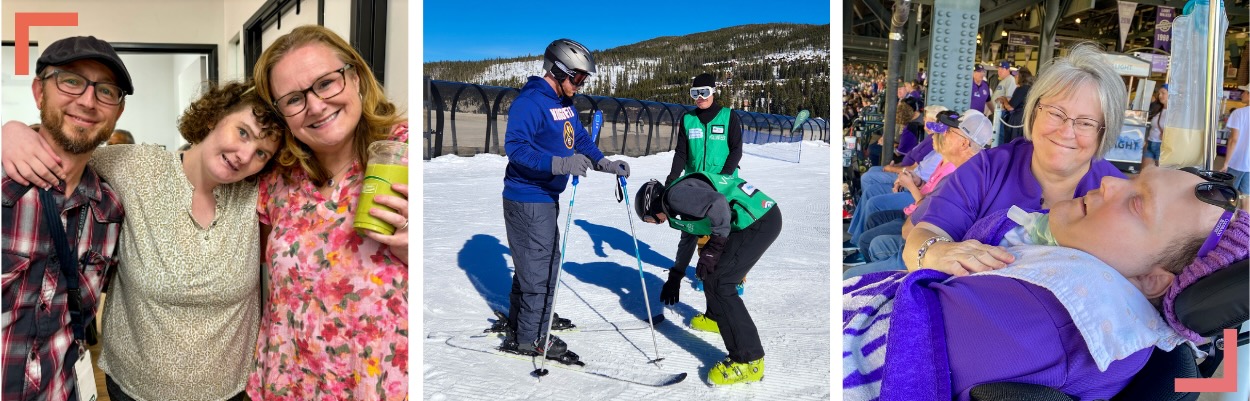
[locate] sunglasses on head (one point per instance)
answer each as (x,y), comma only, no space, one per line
(1215,191)
(701,92)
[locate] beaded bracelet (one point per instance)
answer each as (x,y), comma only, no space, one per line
(925,248)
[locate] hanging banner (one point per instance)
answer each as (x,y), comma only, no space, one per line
(1127,8)
(1163,28)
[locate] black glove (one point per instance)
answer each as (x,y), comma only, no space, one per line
(671,292)
(618,167)
(710,256)
(575,164)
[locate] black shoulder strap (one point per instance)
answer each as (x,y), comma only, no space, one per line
(67,259)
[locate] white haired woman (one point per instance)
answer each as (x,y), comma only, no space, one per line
(1073,116)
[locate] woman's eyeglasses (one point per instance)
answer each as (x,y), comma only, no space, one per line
(325,87)
(1055,117)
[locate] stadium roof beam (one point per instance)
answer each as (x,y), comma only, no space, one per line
(878,10)
(1006,9)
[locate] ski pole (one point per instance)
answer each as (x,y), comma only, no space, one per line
(638,256)
(596,124)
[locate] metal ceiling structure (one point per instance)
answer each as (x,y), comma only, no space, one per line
(866,24)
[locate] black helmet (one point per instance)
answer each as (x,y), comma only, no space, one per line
(647,201)
(565,55)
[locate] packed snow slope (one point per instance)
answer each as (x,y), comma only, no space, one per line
(467,272)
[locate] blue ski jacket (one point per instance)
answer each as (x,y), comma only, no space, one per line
(541,125)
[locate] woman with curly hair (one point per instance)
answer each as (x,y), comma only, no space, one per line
(335,323)
(182,314)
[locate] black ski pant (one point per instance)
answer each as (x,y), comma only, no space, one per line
(744,248)
(533,239)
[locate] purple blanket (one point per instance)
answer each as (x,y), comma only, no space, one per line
(894,310)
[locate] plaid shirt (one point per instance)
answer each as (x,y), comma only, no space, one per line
(37,348)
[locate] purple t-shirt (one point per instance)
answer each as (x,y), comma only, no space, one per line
(918,152)
(992,180)
(1029,340)
(980,95)
(906,141)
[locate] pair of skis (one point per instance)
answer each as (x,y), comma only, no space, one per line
(596,125)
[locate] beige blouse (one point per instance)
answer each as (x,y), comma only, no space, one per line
(182,314)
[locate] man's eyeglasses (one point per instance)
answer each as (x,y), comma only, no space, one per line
(74,84)
(1054,117)
(325,87)
(1216,191)
(701,92)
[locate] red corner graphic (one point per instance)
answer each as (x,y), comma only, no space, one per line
(1226,384)
(23,22)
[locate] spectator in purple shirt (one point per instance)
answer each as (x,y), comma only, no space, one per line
(1076,100)
(980,91)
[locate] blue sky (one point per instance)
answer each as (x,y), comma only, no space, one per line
(468,30)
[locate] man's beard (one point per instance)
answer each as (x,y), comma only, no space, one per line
(52,122)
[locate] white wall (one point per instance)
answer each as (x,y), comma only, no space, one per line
(397,53)
(141,21)
(18,100)
(151,115)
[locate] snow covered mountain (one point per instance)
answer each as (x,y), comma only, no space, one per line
(770,68)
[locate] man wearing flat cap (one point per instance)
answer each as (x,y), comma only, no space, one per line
(61,240)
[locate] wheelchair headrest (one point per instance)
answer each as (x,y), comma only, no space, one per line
(1216,302)
(1230,249)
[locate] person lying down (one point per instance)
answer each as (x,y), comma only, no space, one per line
(1075,311)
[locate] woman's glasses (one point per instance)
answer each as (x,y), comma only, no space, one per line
(1054,117)
(325,87)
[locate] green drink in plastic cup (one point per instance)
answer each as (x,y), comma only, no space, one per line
(388,164)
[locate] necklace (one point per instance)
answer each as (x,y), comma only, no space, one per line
(330,183)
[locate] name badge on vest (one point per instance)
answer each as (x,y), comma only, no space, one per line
(747,189)
(695,133)
(718,133)
(86,376)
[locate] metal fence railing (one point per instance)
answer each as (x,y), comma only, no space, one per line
(466,119)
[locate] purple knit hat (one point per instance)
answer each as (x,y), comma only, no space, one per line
(1231,248)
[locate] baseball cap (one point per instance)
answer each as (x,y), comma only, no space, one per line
(979,67)
(76,48)
(1004,64)
(975,126)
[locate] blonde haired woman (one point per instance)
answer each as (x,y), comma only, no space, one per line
(335,322)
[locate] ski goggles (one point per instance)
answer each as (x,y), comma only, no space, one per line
(701,92)
(576,77)
(1216,191)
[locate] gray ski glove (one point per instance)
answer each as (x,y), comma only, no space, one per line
(575,164)
(618,167)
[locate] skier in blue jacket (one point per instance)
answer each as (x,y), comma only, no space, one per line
(545,142)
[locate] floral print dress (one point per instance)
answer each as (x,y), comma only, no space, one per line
(335,323)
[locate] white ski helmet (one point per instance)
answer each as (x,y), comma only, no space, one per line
(564,56)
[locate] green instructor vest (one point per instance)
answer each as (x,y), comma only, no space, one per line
(746,204)
(707,145)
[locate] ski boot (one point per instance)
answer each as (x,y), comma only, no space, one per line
(701,322)
(558,351)
(728,372)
